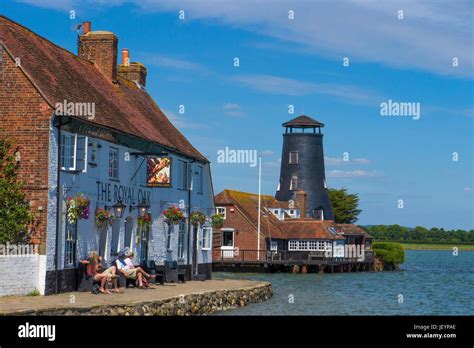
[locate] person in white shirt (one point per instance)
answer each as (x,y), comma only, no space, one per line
(127,268)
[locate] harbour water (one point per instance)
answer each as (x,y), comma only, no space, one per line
(429,283)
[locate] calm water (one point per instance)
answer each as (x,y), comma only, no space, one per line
(431,282)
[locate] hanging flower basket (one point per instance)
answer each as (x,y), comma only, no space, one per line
(77,208)
(217,220)
(102,217)
(173,215)
(198,218)
(146,221)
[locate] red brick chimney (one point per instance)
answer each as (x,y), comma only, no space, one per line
(99,47)
(132,71)
(301,202)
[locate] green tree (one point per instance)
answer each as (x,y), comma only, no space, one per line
(15,215)
(344,206)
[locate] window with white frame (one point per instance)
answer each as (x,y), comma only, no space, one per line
(169,234)
(221,211)
(181,239)
(309,245)
(70,244)
(293,245)
(312,245)
(293,157)
(276,212)
(73,155)
(113,163)
(206,237)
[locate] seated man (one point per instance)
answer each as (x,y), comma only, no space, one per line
(127,268)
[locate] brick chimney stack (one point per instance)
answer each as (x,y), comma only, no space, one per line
(132,71)
(101,48)
(301,202)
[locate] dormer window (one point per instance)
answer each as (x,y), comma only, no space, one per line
(293,213)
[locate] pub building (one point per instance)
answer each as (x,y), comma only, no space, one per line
(100,161)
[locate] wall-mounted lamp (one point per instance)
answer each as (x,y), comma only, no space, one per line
(17,157)
(142,208)
(119,209)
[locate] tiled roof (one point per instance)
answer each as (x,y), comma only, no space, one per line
(60,75)
(247,203)
(350,229)
(303,121)
(306,229)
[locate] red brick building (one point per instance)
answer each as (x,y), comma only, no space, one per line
(103,154)
(285,231)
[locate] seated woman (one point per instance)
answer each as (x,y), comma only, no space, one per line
(94,270)
(127,268)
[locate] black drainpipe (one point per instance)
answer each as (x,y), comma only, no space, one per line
(58,200)
(189,221)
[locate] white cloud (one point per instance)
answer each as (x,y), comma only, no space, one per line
(163,61)
(233,110)
(287,86)
(429,36)
(353,174)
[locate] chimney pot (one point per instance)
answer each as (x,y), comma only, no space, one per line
(86,27)
(132,71)
(125,57)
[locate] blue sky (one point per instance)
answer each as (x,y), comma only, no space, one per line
(300,62)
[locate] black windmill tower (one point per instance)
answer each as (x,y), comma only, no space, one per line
(302,166)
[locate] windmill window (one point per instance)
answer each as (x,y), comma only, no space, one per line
(293,157)
(294,183)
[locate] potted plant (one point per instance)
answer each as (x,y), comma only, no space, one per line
(77,208)
(198,218)
(102,217)
(173,215)
(217,220)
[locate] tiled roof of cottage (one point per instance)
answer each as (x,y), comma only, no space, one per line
(307,229)
(247,203)
(61,75)
(350,229)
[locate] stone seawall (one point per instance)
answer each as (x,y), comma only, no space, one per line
(184,305)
